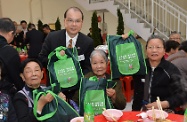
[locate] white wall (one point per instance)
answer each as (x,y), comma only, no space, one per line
(48,12)
(19,10)
(181,3)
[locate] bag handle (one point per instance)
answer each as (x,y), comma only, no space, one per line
(57,52)
(93,78)
(58,55)
(48,115)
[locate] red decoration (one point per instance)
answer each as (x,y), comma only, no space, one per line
(99,19)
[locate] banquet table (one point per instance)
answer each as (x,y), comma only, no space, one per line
(131,115)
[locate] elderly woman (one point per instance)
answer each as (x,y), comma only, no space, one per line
(31,73)
(99,62)
(162,80)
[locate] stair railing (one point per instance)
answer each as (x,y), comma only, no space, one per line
(164,15)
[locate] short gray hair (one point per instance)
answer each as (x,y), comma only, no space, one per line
(99,52)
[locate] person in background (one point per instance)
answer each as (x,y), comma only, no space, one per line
(100,36)
(23,24)
(99,60)
(171,48)
(179,59)
(31,73)
(9,55)
(18,38)
(163,80)
(90,33)
(34,39)
(46,29)
(176,36)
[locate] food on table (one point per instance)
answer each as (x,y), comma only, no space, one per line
(165,120)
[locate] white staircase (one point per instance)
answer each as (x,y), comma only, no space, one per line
(143,16)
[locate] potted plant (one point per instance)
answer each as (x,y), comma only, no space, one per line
(120,28)
(95,30)
(40,24)
(57,24)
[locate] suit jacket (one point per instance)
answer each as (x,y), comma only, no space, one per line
(55,39)
(35,39)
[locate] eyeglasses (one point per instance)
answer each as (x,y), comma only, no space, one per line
(155,47)
(70,21)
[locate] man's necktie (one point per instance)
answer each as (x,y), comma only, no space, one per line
(70,43)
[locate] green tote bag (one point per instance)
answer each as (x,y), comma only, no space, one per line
(126,56)
(93,91)
(64,69)
(128,62)
(57,110)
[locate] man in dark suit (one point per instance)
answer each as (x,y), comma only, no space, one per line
(73,19)
(34,38)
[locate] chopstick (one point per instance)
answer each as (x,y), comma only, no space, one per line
(153,116)
(160,107)
(110,115)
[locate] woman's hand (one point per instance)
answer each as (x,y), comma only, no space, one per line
(164,104)
(111,93)
(44,99)
(124,36)
(61,95)
(62,52)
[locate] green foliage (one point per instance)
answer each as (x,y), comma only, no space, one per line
(120,28)
(95,30)
(57,24)
(40,24)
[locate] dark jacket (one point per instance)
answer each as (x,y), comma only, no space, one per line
(165,84)
(179,59)
(18,40)
(55,39)
(23,111)
(35,39)
(11,60)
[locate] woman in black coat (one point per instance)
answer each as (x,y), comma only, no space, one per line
(163,80)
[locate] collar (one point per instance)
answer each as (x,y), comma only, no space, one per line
(74,39)
(162,64)
(31,90)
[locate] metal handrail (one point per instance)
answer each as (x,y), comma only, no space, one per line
(164,15)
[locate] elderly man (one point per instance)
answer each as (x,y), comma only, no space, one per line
(176,36)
